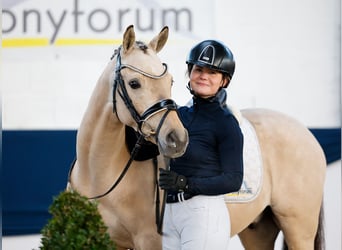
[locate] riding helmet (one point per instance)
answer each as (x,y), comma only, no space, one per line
(214,55)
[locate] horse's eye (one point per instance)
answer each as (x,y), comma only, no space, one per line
(134,84)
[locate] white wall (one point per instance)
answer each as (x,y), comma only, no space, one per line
(287,55)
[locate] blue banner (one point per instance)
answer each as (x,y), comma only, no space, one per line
(36,165)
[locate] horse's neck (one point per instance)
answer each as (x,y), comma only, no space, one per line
(101,137)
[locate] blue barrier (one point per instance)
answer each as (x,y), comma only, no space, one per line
(35,168)
(36,165)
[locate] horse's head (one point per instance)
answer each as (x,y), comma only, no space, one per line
(142,92)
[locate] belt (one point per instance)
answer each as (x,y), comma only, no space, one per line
(178,197)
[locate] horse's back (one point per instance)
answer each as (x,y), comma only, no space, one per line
(285,136)
(285,142)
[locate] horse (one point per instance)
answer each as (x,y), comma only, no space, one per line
(134,92)
(291,194)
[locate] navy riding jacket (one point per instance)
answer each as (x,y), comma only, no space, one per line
(213,161)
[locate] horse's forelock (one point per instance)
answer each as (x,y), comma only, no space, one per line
(141,45)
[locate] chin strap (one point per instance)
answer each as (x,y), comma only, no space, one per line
(190,89)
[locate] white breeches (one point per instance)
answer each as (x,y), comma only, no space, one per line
(200,223)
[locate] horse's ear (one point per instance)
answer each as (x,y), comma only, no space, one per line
(128,39)
(159,41)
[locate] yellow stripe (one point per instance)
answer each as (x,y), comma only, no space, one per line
(24,42)
(72,42)
(41,42)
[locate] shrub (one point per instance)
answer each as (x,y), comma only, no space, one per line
(75,224)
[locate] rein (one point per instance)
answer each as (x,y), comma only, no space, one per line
(123,173)
(162,105)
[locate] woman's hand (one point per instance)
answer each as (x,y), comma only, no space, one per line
(171,181)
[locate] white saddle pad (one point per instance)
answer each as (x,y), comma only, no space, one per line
(253,168)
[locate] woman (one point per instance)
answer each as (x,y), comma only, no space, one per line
(196,217)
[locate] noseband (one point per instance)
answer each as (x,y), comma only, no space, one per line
(119,86)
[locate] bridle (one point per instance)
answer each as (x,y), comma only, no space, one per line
(162,105)
(120,88)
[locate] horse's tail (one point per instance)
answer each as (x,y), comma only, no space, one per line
(319,243)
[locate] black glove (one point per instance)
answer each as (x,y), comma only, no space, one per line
(171,181)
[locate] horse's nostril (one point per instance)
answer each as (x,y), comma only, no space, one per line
(172,139)
(177,140)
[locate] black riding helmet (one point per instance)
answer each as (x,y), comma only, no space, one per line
(214,55)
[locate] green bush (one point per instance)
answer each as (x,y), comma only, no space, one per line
(75,224)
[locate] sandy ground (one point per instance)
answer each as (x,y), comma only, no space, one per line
(332,201)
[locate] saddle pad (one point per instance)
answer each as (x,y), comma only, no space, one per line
(253,168)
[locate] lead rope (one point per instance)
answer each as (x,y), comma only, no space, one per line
(162,212)
(157,207)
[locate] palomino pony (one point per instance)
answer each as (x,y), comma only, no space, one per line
(134,91)
(290,197)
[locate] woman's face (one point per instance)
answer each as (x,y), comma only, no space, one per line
(206,82)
